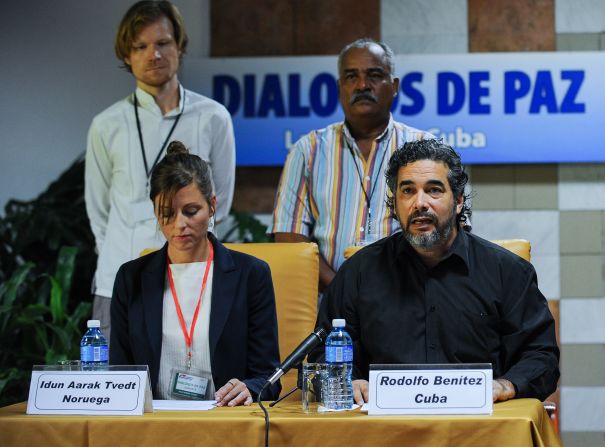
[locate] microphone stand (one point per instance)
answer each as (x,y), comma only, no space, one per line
(297,387)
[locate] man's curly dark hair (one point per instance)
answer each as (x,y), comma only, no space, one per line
(435,150)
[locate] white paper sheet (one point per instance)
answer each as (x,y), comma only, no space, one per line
(183,405)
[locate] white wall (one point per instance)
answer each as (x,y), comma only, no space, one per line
(58,71)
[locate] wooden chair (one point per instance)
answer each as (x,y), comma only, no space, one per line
(295,273)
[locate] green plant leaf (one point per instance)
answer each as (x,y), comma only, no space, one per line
(42,319)
(56,301)
(51,357)
(80,314)
(61,338)
(32,314)
(10,289)
(5,308)
(41,337)
(9,375)
(64,270)
(248,229)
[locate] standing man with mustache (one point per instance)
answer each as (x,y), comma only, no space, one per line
(434,293)
(332,187)
(128,139)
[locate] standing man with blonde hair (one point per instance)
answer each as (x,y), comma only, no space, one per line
(127,140)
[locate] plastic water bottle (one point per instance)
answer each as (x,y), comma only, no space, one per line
(338,387)
(93,347)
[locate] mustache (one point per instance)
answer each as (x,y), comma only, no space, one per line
(358,96)
(424,214)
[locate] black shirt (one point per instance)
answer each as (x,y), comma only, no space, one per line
(479,304)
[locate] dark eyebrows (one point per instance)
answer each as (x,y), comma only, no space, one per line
(433,182)
(436,183)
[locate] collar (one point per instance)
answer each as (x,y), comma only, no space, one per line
(457,252)
(386,133)
(222,257)
(147,102)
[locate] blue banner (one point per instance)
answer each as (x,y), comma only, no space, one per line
(492,107)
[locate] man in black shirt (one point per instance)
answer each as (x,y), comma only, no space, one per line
(434,293)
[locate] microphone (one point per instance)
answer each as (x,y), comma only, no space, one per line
(298,354)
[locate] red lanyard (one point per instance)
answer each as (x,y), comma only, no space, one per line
(189,336)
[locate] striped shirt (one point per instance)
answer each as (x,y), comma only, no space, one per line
(320,193)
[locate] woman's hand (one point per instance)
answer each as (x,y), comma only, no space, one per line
(234,392)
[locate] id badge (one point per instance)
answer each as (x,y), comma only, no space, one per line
(141,210)
(189,384)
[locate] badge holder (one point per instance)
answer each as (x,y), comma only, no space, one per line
(191,384)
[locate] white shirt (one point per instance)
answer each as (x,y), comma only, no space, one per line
(117,200)
(188,284)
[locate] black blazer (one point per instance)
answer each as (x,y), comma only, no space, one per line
(243,322)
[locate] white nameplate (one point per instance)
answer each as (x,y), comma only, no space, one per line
(430,389)
(115,391)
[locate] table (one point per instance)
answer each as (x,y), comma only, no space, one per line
(516,423)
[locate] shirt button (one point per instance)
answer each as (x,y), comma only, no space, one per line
(432,309)
(432,346)
(367,178)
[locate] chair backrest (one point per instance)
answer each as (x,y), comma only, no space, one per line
(295,273)
(520,247)
(147,251)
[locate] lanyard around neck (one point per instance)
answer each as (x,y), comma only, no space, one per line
(358,169)
(179,312)
(136,114)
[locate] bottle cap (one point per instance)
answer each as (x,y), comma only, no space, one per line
(94,323)
(339,322)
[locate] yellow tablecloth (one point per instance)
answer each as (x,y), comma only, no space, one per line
(516,423)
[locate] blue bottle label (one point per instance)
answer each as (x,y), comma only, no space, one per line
(94,354)
(339,354)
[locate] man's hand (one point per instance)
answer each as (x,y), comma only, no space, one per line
(502,390)
(360,391)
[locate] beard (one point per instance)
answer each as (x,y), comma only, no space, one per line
(435,238)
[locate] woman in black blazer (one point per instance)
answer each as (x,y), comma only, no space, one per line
(200,315)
